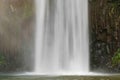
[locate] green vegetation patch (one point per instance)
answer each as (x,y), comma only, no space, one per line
(2,59)
(116,58)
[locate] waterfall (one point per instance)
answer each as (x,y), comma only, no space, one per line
(61,36)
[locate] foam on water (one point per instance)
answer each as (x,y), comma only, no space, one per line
(57,74)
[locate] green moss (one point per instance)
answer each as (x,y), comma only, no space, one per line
(27,11)
(2,59)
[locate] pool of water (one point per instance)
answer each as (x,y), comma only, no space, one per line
(60,78)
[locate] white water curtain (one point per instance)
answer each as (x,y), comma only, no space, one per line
(61,36)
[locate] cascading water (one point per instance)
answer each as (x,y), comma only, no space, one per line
(61,36)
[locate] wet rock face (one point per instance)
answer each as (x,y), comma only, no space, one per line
(17,24)
(104,19)
(15,21)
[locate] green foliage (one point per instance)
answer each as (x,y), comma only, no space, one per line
(116,58)
(115,3)
(2,59)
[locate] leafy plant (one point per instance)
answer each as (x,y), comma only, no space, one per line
(116,58)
